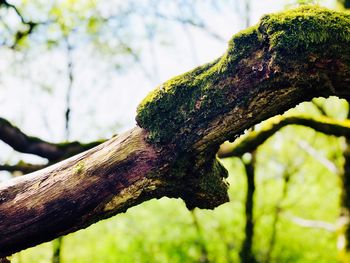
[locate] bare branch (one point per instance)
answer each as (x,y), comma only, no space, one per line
(318,224)
(22,167)
(30,25)
(317,156)
(23,143)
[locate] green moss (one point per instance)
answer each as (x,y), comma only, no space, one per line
(207,189)
(181,167)
(79,168)
(305,27)
(175,109)
(166,109)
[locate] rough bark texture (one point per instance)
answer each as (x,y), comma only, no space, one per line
(72,194)
(89,187)
(284,60)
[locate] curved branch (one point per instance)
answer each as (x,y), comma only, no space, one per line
(22,167)
(311,223)
(23,143)
(267,69)
(254,139)
(286,59)
(9,5)
(30,24)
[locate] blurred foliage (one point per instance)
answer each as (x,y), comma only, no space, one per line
(111,27)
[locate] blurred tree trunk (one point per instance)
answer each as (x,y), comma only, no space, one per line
(343,239)
(277,214)
(343,242)
(204,255)
(246,253)
(58,243)
(172,151)
(345,3)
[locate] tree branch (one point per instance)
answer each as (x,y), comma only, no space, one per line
(8,5)
(23,143)
(22,167)
(321,159)
(30,24)
(172,152)
(311,223)
(254,139)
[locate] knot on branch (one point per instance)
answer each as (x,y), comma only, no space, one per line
(202,186)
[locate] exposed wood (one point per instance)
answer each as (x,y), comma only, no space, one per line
(181,125)
(87,188)
(66,195)
(70,195)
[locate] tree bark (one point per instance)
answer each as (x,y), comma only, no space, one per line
(267,69)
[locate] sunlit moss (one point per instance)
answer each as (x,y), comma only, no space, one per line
(305,27)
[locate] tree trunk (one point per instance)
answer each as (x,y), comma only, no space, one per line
(246,253)
(284,60)
(343,224)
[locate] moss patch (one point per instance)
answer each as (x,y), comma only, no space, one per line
(79,168)
(168,108)
(206,187)
(305,28)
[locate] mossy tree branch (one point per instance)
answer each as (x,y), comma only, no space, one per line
(284,60)
(254,139)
